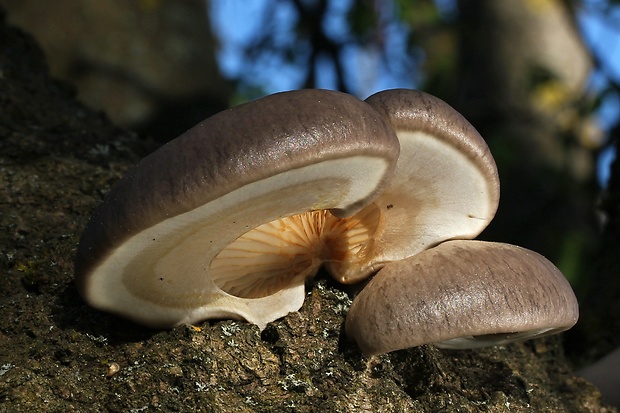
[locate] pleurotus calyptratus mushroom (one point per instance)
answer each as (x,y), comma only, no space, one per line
(462,294)
(445,185)
(231,218)
(158,249)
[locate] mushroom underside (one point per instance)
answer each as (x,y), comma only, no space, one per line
(178,271)
(148,250)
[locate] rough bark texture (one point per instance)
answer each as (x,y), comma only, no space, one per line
(57,159)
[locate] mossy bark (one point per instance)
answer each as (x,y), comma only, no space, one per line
(57,160)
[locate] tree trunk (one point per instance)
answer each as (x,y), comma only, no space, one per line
(598,331)
(150,65)
(523,71)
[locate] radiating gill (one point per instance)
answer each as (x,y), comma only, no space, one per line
(351,242)
(275,255)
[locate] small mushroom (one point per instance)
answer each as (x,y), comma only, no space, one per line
(227,220)
(445,185)
(462,294)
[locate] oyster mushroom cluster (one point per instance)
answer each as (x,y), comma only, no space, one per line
(231,218)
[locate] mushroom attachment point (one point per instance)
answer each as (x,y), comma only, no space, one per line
(462,294)
(229,219)
(445,185)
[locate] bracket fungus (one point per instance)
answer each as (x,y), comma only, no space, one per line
(231,218)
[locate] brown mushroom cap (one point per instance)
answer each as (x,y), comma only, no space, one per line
(462,294)
(445,185)
(146,253)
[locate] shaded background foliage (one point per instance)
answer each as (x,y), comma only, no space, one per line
(520,71)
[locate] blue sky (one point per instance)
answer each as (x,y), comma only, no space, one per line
(277,75)
(602,34)
(235,22)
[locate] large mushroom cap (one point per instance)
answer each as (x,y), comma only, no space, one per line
(148,252)
(462,294)
(445,185)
